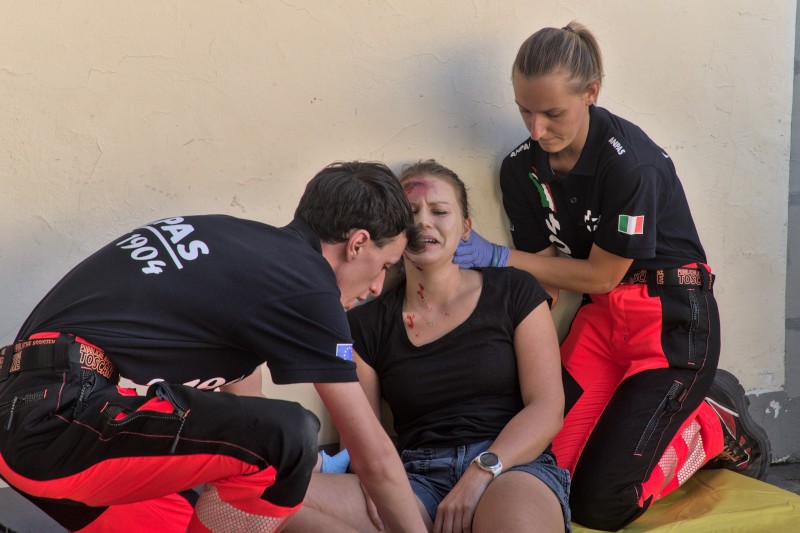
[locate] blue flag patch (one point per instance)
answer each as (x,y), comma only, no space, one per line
(344,351)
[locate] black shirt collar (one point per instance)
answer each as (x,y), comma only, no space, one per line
(301,228)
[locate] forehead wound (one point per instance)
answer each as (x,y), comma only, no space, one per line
(416,187)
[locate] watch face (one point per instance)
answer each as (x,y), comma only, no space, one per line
(489,459)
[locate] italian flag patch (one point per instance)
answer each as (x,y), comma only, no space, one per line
(631,225)
(544,193)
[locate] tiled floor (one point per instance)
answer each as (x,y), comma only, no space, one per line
(17,515)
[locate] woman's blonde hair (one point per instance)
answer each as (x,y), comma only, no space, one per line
(571,50)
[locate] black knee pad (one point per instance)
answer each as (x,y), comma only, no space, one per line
(307,437)
(290,443)
(285,431)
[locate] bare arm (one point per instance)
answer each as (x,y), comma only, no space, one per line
(372,455)
(368,379)
(249,386)
(370,384)
(539,370)
(598,274)
(552,290)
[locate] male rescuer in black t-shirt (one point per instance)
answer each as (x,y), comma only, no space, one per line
(186,305)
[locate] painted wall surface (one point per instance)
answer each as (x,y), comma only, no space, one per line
(779,406)
(113,114)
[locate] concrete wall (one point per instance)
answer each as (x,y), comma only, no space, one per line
(116,113)
(780,408)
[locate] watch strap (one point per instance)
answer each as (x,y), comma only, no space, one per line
(495,470)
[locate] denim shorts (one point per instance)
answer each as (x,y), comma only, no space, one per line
(434,471)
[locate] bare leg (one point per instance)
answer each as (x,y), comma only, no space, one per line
(309,519)
(318,466)
(517,501)
(335,503)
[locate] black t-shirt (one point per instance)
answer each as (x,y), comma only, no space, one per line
(623,195)
(462,387)
(203,301)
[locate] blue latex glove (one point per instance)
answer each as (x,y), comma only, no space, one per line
(478,252)
(337,464)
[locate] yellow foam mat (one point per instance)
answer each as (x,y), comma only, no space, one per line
(717,501)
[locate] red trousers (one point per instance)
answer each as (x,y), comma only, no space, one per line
(638,363)
(97,457)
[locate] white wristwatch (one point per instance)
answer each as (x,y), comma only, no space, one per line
(490,462)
